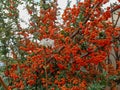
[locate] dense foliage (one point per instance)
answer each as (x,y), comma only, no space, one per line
(50,55)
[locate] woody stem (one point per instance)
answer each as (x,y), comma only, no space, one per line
(3,84)
(46,76)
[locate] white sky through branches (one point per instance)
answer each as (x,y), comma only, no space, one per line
(61,3)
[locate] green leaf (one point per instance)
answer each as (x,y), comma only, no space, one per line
(96,86)
(83,69)
(114,77)
(102,35)
(84,46)
(64,33)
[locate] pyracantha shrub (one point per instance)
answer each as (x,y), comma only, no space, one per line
(68,56)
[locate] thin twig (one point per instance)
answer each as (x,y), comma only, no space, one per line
(116,8)
(46,74)
(112,15)
(116,21)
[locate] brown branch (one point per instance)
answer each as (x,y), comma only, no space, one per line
(85,21)
(52,57)
(3,84)
(74,33)
(112,11)
(112,15)
(115,8)
(116,21)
